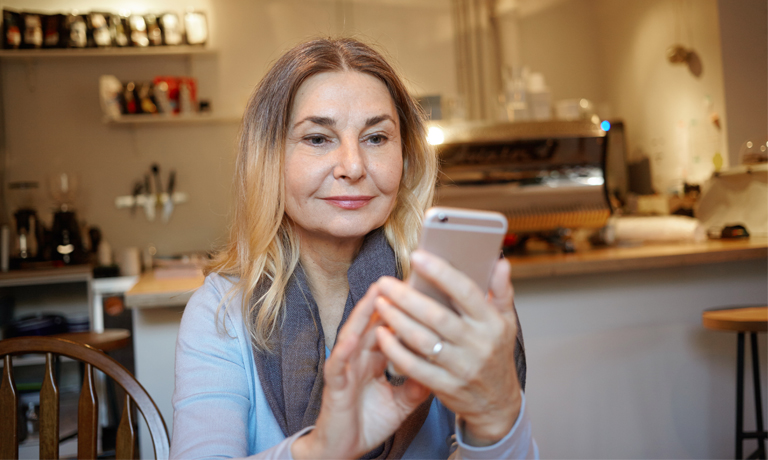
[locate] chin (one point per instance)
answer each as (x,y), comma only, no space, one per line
(351,233)
(346,229)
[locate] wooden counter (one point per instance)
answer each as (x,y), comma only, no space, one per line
(618,259)
(152,292)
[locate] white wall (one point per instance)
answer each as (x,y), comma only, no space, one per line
(664,105)
(562,42)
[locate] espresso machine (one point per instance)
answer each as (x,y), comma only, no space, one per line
(547,177)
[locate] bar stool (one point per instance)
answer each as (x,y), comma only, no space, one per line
(743,320)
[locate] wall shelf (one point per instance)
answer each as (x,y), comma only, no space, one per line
(180,50)
(742,169)
(160,119)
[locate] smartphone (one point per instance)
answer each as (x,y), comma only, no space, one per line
(468,239)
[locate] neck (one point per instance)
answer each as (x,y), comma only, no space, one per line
(325,263)
(326,259)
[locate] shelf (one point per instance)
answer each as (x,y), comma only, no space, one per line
(742,169)
(151,119)
(180,50)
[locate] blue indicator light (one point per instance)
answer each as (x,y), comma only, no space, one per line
(605,125)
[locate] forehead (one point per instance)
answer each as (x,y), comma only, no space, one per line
(342,93)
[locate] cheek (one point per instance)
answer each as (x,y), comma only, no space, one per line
(388,175)
(298,182)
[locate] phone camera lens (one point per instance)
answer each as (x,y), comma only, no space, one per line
(442,217)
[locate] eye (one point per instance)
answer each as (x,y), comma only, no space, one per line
(316,140)
(377,139)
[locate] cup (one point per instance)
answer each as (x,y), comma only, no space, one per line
(130,261)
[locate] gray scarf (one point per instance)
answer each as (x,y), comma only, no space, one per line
(292,373)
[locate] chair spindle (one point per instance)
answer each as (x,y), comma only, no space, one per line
(126,434)
(9,422)
(49,412)
(87,416)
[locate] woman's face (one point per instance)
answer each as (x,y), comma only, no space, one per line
(343,156)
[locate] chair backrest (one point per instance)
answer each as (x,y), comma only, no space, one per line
(87,418)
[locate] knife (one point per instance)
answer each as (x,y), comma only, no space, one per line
(168,205)
(137,189)
(149,200)
(158,183)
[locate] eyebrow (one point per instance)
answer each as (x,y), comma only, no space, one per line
(330,122)
(378,119)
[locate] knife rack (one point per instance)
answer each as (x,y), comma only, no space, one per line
(129,201)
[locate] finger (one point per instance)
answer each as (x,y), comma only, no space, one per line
(425,310)
(415,335)
(467,297)
(361,315)
(434,377)
(501,290)
(336,365)
(459,358)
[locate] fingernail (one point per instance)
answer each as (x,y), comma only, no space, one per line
(381,303)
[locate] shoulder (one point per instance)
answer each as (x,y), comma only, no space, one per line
(212,332)
(217,294)
(215,286)
(214,312)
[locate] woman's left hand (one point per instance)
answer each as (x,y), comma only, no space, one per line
(473,371)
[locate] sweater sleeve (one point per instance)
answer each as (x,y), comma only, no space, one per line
(517,444)
(212,397)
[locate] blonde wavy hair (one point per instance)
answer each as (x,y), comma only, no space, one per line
(263,246)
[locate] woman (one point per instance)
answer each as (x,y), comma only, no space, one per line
(333,176)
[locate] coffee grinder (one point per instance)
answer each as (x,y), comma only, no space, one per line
(66,241)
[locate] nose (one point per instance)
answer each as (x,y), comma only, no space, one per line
(350,164)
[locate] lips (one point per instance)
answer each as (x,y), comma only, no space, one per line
(348,202)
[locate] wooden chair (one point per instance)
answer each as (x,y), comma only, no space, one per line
(87,419)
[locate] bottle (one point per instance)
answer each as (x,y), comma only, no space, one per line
(539,97)
(516,92)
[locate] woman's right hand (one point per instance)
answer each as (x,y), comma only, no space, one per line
(360,408)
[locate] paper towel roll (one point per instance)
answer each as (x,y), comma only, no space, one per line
(656,228)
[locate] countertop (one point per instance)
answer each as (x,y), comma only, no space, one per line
(151,292)
(613,259)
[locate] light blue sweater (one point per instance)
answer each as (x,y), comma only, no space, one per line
(220,410)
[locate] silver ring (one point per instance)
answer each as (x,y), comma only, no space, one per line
(432,356)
